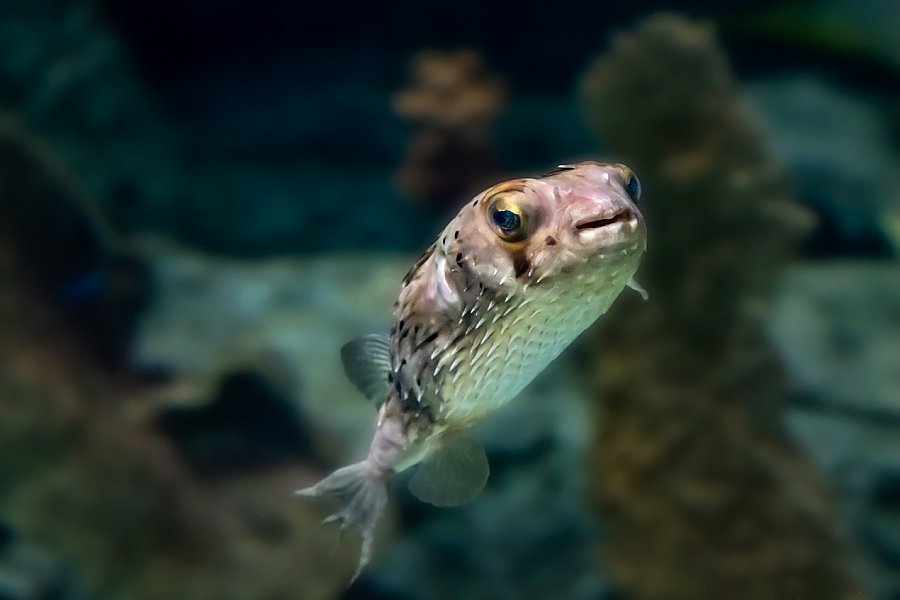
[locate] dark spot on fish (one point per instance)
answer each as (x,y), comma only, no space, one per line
(403,362)
(402,323)
(419,381)
(456,235)
(475,203)
(403,334)
(550,241)
(520,263)
(390,377)
(431,338)
(397,387)
(418,265)
(444,240)
(459,258)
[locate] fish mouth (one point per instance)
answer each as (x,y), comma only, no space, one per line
(623,216)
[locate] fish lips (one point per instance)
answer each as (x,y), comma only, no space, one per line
(611,229)
(622,216)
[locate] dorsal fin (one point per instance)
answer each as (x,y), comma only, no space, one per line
(454,473)
(367,362)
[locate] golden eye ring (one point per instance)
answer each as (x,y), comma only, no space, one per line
(507,218)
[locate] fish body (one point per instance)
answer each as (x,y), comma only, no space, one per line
(511,281)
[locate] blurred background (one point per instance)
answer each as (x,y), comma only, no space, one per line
(201,201)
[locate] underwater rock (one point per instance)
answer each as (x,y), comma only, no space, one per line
(110,500)
(837,330)
(282,318)
(701,491)
(839,157)
(248,424)
(84,477)
(452,101)
(859,452)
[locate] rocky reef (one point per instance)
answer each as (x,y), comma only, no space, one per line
(836,328)
(702,491)
(838,152)
(93,497)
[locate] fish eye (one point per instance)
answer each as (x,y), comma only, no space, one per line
(508,218)
(632,184)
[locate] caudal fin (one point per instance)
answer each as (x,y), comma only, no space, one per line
(362,496)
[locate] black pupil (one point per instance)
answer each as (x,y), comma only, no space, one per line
(507,220)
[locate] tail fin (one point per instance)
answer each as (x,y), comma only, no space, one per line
(362,495)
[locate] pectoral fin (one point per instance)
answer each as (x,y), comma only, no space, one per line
(452,475)
(367,362)
(633,284)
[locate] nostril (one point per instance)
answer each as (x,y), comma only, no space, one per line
(619,217)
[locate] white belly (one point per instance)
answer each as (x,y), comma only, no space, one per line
(488,374)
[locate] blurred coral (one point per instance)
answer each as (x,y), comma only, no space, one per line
(452,101)
(702,492)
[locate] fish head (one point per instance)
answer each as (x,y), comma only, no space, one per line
(577,219)
(514,278)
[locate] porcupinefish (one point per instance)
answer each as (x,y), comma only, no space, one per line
(513,279)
